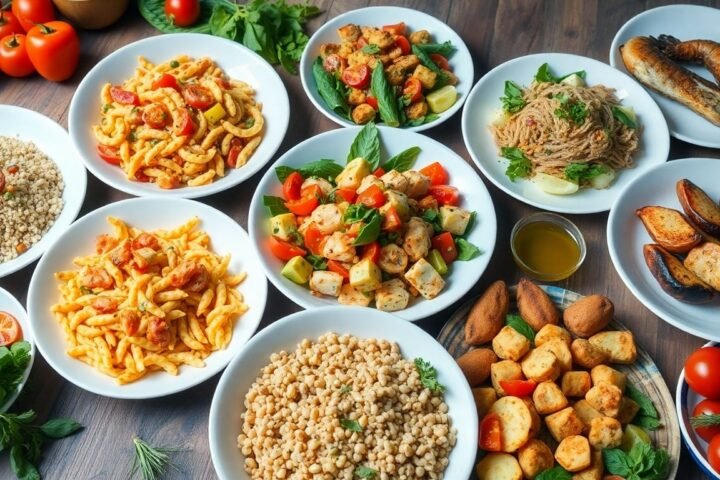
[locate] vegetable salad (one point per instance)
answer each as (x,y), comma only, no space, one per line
(371,230)
(399,76)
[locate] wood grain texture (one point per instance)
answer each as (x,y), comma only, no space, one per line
(495,31)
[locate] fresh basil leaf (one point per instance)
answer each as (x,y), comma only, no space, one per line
(621,116)
(366,145)
(154,12)
(403,161)
(466,250)
(224,21)
(327,88)
(428,375)
(582,172)
(370,231)
(351,425)
(646,405)
(358,213)
(365,472)
(371,49)
(385,95)
(555,473)
(545,75)
(432,216)
(446,49)
(21,466)
(60,427)
(616,461)
(519,166)
(276,205)
(513,100)
(323,168)
(25,417)
(442,78)
(521,326)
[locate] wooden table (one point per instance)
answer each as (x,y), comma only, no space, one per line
(495,31)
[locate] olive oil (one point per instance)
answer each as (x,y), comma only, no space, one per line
(546,250)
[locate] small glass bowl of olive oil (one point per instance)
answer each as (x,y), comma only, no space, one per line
(547,247)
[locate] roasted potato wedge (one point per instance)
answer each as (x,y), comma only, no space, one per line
(498,466)
(574,453)
(704,261)
(699,207)
(619,345)
(669,228)
(676,279)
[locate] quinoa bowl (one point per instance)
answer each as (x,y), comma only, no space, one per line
(360,395)
(42,186)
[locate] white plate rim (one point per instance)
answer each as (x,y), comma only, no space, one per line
(458,42)
(24,322)
(217,186)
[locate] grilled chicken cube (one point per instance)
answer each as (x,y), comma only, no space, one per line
(425,279)
(352,296)
(392,296)
(326,283)
(416,240)
(454,219)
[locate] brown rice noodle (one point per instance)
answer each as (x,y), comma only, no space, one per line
(551,143)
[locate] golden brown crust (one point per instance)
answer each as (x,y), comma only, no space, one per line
(487,316)
(589,315)
(475,364)
(535,306)
(699,207)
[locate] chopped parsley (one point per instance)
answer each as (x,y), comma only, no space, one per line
(519,166)
(365,472)
(351,425)
(582,172)
(428,375)
(571,110)
(513,100)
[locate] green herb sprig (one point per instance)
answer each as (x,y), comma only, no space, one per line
(519,166)
(151,462)
(643,462)
(648,416)
(554,473)
(513,100)
(521,326)
(428,375)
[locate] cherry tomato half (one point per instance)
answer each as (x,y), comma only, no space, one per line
(292,185)
(198,97)
(490,435)
(445,194)
(436,173)
(156,115)
(371,251)
(413,89)
(109,154)
(10,331)
(310,199)
(236,146)
(391,220)
(379,172)
(713,453)
(372,101)
(54,48)
(445,244)
(337,267)
(314,239)
(14,60)
(404,44)
(357,76)
(440,61)
(708,407)
(518,388)
(31,12)
(166,81)
(346,194)
(124,97)
(372,197)
(182,13)
(702,372)
(395,29)
(9,24)
(285,250)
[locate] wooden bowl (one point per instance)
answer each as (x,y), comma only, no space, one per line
(92,14)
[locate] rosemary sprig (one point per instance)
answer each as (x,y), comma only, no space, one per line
(151,462)
(705,420)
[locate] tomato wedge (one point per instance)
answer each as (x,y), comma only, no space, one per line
(371,251)
(124,97)
(184,124)
(314,239)
(291,186)
(445,194)
(309,200)
(413,89)
(392,221)
(404,44)
(445,244)
(372,101)
(337,267)
(346,194)
(372,197)
(156,115)
(440,61)
(166,81)
(198,97)
(236,146)
(357,76)
(10,331)
(436,173)
(518,388)
(379,172)
(490,438)
(109,154)
(395,29)
(285,250)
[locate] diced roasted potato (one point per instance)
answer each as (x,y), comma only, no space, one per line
(587,355)
(418,184)
(484,398)
(454,219)
(552,332)
(675,278)
(560,349)
(427,77)
(363,113)
(605,432)
(498,466)
(510,344)
(536,421)
(586,412)
(365,276)
(669,228)
(353,173)
(416,110)
(352,296)
(576,384)
(605,398)
(620,346)
(326,283)
(541,365)
(376,36)
(395,181)
(573,453)
(628,409)
(516,422)
(356,97)
(349,32)
(397,200)
(549,398)
(393,259)
(284,226)
(535,457)
(423,277)
(605,374)
(564,423)
(392,296)
(594,471)
(419,37)
(504,370)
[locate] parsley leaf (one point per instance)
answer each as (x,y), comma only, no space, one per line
(519,166)
(365,472)
(432,216)
(571,110)
(351,425)
(428,375)
(276,205)
(580,172)
(513,100)
(521,326)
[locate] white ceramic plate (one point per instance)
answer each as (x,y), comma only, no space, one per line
(461,61)
(685,402)
(54,141)
(626,236)
(484,101)
(227,405)
(237,62)
(9,304)
(335,145)
(686,22)
(149,214)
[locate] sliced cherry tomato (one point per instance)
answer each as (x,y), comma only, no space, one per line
(182,13)
(371,251)
(198,97)
(379,172)
(337,267)
(10,331)
(404,44)
(124,97)
(9,24)
(491,433)
(141,177)
(713,453)
(361,42)
(392,221)
(372,101)
(440,61)
(413,89)
(346,194)
(236,146)
(708,407)
(166,81)
(285,250)
(395,29)
(314,239)
(372,197)
(702,372)
(313,191)
(156,115)
(31,12)
(357,76)
(54,49)
(14,59)
(303,206)
(109,154)
(184,124)
(518,388)
(445,194)
(445,244)
(436,173)
(292,185)
(333,63)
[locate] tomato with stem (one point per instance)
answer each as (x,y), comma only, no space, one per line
(9,24)
(14,59)
(182,13)
(31,12)
(707,413)
(54,49)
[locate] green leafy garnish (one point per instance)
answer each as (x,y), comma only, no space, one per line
(345,389)
(446,49)
(466,250)
(430,117)
(276,205)
(151,462)
(643,462)
(366,145)
(13,363)
(521,326)
(330,89)
(571,110)
(365,472)
(647,417)
(385,95)
(582,172)
(370,231)
(351,425)
(371,49)
(519,166)
(545,75)
(621,116)
(428,375)
(513,100)
(403,161)
(554,473)
(358,212)
(174,64)
(432,216)
(317,262)
(424,57)
(326,169)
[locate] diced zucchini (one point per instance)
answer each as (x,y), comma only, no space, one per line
(353,174)
(215,113)
(442,99)
(454,219)
(365,276)
(574,80)
(298,270)
(437,262)
(284,226)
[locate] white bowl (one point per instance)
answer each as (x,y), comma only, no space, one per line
(484,101)
(54,142)
(227,405)
(686,22)
(237,61)
(9,304)
(148,214)
(335,144)
(685,402)
(461,61)
(626,236)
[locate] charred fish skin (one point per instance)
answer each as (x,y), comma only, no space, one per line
(702,52)
(644,60)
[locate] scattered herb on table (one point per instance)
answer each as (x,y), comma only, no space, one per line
(428,375)
(151,462)
(521,326)
(643,462)
(519,166)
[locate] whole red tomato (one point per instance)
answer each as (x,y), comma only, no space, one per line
(14,60)
(707,407)
(713,453)
(31,12)
(182,13)
(9,24)
(702,372)
(54,49)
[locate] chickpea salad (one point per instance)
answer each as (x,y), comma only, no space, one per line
(371,230)
(386,74)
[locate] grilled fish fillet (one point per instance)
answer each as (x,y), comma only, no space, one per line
(703,52)
(644,60)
